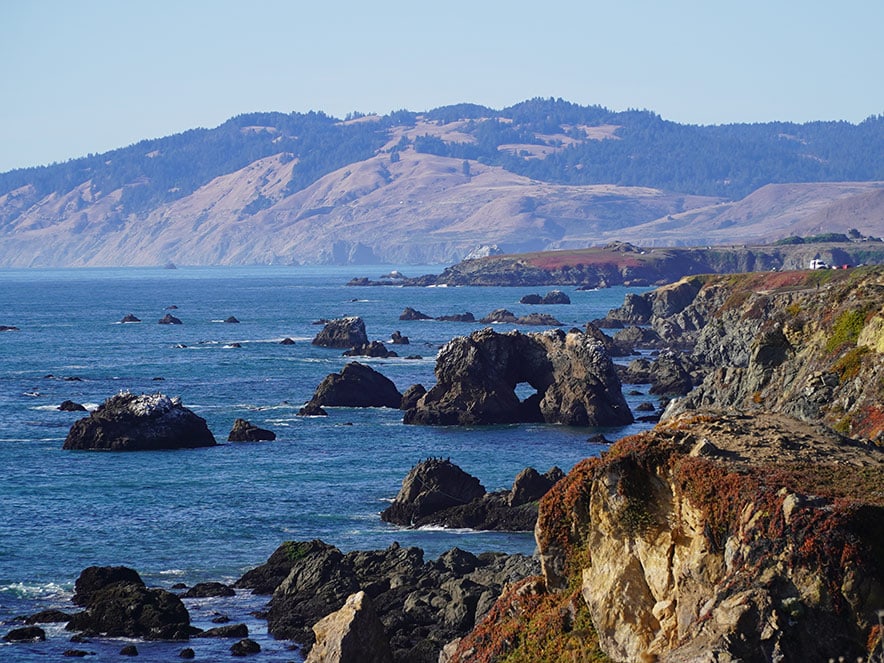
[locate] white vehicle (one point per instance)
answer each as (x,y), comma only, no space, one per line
(816,263)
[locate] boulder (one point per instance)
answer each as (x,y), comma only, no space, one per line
(245,431)
(529,486)
(129,650)
(352,634)
(227,631)
(531,299)
(266,578)
(286,341)
(500,315)
(169,319)
(357,385)
(8,328)
(48,617)
(430,486)
(127,422)
(342,333)
(96,578)
(538,320)
(312,409)
(411,396)
(477,375)
(396,338)
(130,610)
(25,634)
(129,318)
(371,349)
(70,406)
(245,647)
(556,297)
(231,320)
(413,314)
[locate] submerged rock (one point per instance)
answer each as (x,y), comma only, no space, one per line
(127,422)
(170,319)
(129,318)
(71,406)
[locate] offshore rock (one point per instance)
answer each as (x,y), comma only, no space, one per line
(95,578)
(371,349)
(352,634)
(477,375)
(25,634)
(411,396)
(245,431)
(169,319)
(71,406)
(129,318)
(131,610)
(430,486)
(127,422)
(342,333)
(413,314)
(357,385)
(203,590)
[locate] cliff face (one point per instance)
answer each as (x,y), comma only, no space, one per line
(749,524)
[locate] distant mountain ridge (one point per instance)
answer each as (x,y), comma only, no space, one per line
(431,187)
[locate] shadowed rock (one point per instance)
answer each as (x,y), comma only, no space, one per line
(245,431)
(342,333)
(357,385)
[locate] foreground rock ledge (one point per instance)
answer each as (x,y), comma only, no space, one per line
(127,422)
(714,537)
(477,376)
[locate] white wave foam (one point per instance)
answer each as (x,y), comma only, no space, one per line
(27,590)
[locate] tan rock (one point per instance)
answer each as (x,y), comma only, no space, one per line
(353,634)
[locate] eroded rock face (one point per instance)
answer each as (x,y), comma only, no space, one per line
(342,333)
(127,422)
(246,431)
(430,486)
(477,375)
(691,548)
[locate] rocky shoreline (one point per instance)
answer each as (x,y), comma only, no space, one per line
(747,525)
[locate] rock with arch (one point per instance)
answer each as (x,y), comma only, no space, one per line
(477,376)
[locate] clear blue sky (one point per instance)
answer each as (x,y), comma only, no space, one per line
(82,76)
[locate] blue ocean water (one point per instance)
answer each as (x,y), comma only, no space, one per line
(210,514)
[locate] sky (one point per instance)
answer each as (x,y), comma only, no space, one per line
(88,76)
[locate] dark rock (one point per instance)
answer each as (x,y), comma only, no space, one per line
(411,396)
(457,317)
(77,653)
(203,590)
(129,318)
(245,647)
(267,577)
(169,319)
(342,333)
(70,406)
(187,652)
(396,338)
(639,337)
(312,409)
(538,320)
(233,345)
(671,374)
(133,611)
(371,349)
(412,314)
(127,422)
(8,328)
(173,307)
(645,407)
(230,631)
(529,486)
(357,385)
(245,431)
(556,297)
(414,357)
(79,638)
(500,315)
(477,376)
(636,310)
(531,299)
(231,320)
(598,438)
(554,474)
(25,634)
(286,341)
(129,650)
(96,578)
(430,486)
(48,617)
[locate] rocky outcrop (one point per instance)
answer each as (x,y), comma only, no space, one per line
(352,634)
(129,318)
(246,431)
(357,385)
(127,422)
(396,338)
(719,537)
(71,406)
(438,492)
(342,333)
(203,590)
(477,375)
(411,396)
(421,604)
(25,634)
(503,315)
(119,605)
(231,320)
(170,319)
(413,314)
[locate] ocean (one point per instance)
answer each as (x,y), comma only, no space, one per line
(197,515)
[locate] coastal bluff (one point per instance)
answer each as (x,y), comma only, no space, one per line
(748,524)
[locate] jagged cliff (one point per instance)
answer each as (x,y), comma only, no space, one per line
(749,524)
